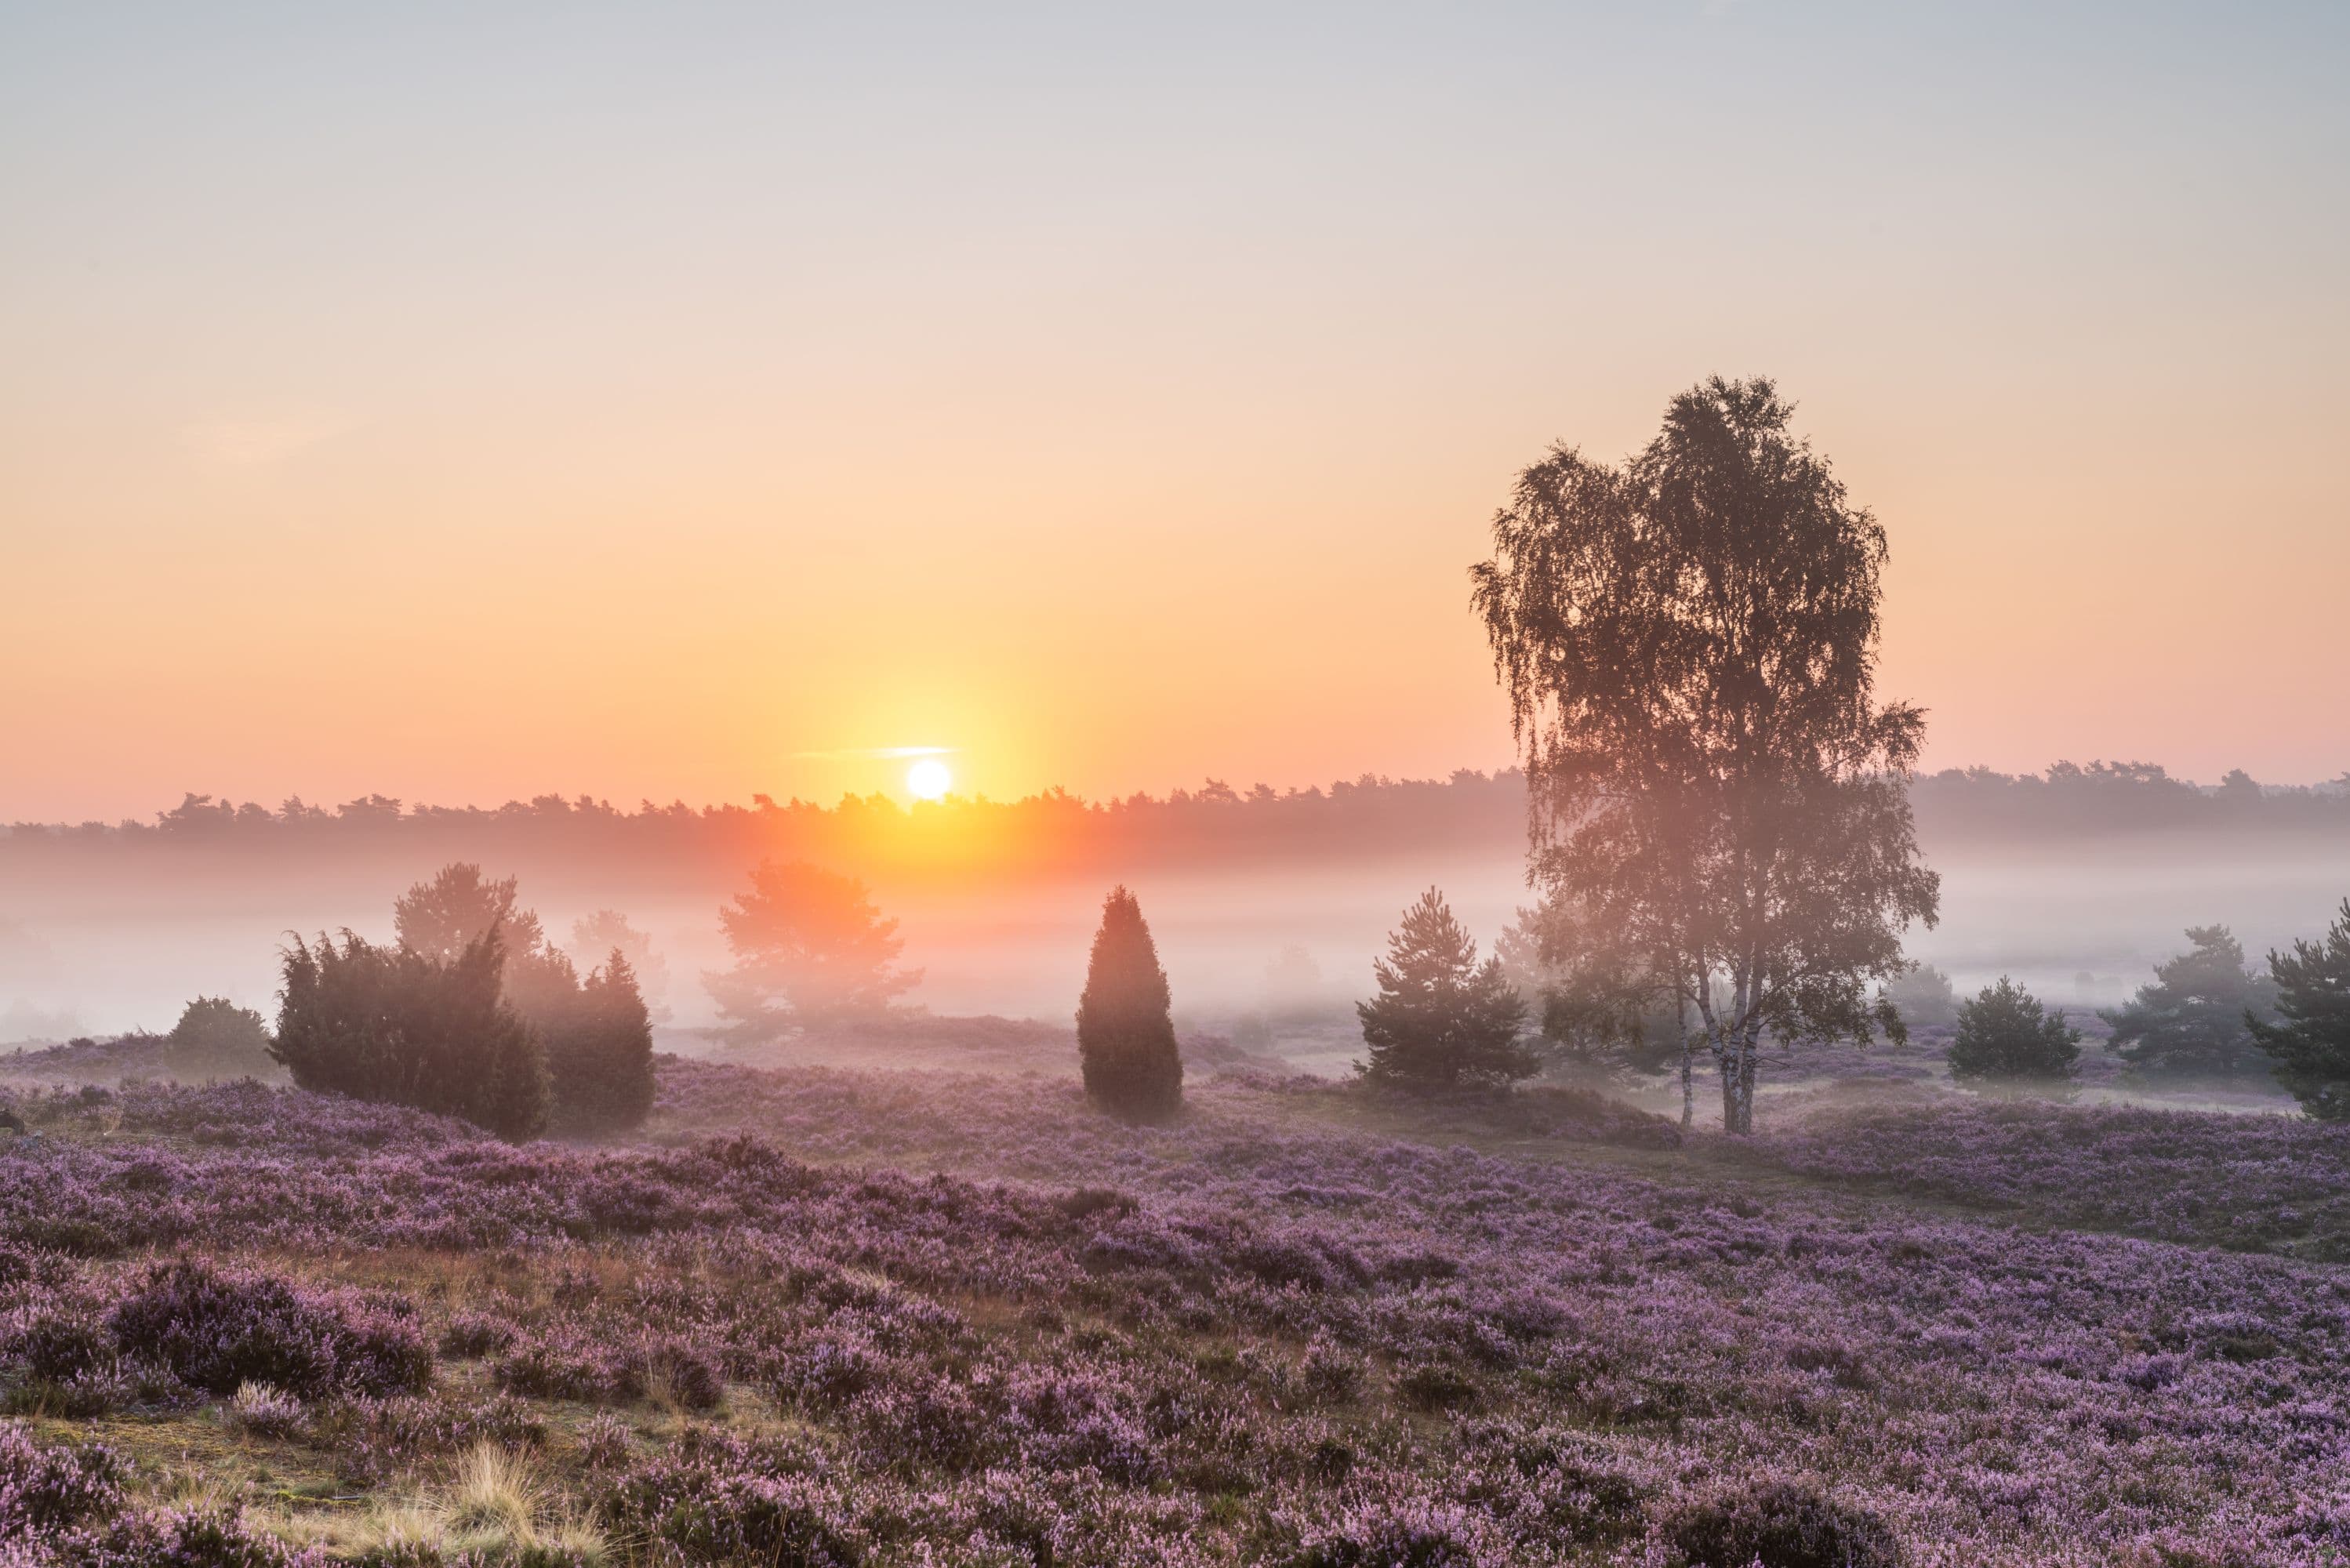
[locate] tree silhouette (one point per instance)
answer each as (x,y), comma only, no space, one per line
(439,918)
(2310,1043)
(607,930)
(2191,1022)
(809,947)
(2004,1033)
(1441,1020)
(1690,644)
(1125,1038)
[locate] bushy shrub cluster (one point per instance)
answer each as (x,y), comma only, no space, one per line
(473,1013)
(47,1488)
(390,1023)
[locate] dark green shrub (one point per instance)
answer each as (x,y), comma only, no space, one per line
(2004,1033)
(1441,1019)
(390,1023)
(1126,1035)
(2309,1044)
(2192,1021)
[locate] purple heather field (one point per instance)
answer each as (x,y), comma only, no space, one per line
(812,1315)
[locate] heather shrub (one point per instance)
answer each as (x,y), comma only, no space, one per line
(1434,1385)
(1777,1524)
(189,1538)
(46,1488)
(217,1330)
(1125,1036)
(58,1340)
(265,1411)
(716,1503)
(1384,1534)
(1330,1375)
(605,1443)
(674,1372)
(63,1362)
(472,1334)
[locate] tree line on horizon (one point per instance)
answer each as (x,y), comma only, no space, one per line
(1372,811)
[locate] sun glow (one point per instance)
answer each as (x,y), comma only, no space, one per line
(929,780)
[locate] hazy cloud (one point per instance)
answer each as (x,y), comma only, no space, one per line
(879,753)
(259,441)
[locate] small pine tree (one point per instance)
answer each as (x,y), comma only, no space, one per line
(1440,1018)
(215,1038)
(390,1023)
(601,1059)
(2190,1022)
(2309,1044)
(2005,1032)
(1125,1038)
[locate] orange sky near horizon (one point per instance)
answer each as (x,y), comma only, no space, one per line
(468,404)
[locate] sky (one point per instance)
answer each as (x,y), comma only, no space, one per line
(462,402)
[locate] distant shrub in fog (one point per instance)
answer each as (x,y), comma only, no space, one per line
(1440,1018)
(389,1023)
(2191,1022)
(2311,1043)
(1924,998)
(609,928)
(2005,1032)
(1126,1037)
(215,1038)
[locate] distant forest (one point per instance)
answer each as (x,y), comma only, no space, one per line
(1053,832)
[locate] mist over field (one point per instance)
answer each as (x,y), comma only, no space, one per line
(101,933)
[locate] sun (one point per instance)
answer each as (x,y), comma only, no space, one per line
(929,780)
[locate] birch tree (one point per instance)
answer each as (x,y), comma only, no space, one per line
(1690,643)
